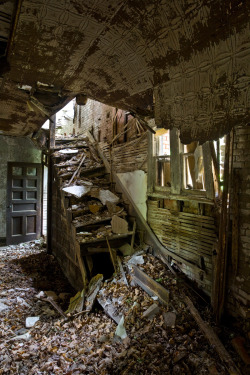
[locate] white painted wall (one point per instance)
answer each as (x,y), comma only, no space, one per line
(136,184)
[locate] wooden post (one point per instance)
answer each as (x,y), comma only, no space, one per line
(216,165)
(221,261)
(207,160)
(151,164)
(175,164)
(52,128)
(52,131)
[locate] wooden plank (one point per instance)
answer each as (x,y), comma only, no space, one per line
(150,286)
(184,197)
(212,338)
(77,170)
(183,214)
(114,237)
(190,221)
(133,236)
(52,131)
(97,250)
(122,272)
(81,264)
(113,257)
(208,172)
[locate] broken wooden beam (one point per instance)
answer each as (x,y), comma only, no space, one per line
(149,285)
(212,338)
(75,174)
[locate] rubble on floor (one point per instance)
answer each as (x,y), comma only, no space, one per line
(152,338)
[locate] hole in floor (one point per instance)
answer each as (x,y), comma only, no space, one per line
(102,264)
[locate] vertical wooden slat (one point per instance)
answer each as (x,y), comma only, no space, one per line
(207,160)
(151,164)
(221,261)
(52,127)
(175,161)
(216,165)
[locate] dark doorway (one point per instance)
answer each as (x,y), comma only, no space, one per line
(23,202)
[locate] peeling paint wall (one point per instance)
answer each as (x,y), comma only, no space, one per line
(136,184)
(13,149)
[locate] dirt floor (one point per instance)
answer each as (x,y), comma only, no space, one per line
(168,342)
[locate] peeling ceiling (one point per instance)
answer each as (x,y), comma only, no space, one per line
(184,61)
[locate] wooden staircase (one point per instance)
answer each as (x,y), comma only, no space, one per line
(87,227)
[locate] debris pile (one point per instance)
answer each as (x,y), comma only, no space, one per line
(118,327)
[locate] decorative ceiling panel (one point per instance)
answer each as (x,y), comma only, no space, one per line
(120,51)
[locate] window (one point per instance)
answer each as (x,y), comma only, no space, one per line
(162,155)
(193,167)
(220,155)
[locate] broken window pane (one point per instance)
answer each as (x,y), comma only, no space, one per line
(162,153)
(17,171)
(31,171)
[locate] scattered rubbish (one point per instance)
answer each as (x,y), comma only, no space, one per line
(68,151)
(119,225)
(76,303)
(31,321)
(107,196)
(155,298)
(150,286)
(126,249)
(122,272)
(108,307)
(94,208)
(120,330)
(136,259)
(77,191)
(93,289)
(51,294)
(40,295)
(21,301)
(25,336)
(169,319)
(3,306)
(56,306)
(151,312)
(89,343)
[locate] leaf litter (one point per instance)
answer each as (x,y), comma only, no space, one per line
(88,343)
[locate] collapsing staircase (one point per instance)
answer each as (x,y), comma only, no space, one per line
(90,220)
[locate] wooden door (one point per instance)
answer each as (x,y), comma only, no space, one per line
(23,202)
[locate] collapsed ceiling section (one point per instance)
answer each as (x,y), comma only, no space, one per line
(182,59)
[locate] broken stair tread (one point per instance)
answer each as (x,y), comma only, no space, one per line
(60,147)
(110,238)
(83,171)
(96,221)
(90,222)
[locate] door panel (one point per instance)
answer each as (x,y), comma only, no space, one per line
(23,202)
